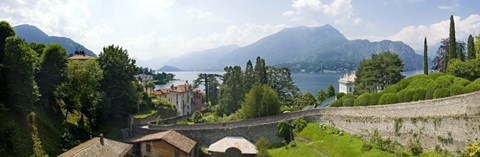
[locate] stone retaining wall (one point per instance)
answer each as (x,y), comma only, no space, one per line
(457,117)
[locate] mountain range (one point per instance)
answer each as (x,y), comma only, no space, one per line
(303,45)
(33,34)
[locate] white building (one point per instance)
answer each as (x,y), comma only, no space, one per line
(347,83)
(185,98)
(143,77)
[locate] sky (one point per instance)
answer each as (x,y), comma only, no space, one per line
(154,31)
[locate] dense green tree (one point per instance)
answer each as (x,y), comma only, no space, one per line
(471,48)
(260,101)
(51,72)
(378,72)
(460,48)
(285,131)
(260,71)
(249,77)
(303,100)
(5,31)
(330,91)
(281,81)
(211,84)
(231,91)
(452,51)
(321,96)
(425,56)
(118,82)
(469,69)
(19,66)
(440,61)
(38,47)
(81,91)
(477,45)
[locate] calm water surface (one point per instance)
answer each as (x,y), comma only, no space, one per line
(307,82)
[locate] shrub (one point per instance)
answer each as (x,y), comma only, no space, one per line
(340,95)
(461,81)
(472,87)
(404,82)
(415,148)
(456,89)
(337,103)
(362,100)
(473,149)
(392,89)
(435,75)
(262,145)
(389,98)
(375,98)
(298,124)
(477,81)
(419,83)
(285,131)
(430,90)
(443,82)
(418,94)
(348,101)
(405,95)
(441,93)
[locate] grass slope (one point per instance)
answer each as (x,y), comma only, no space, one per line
(313,141)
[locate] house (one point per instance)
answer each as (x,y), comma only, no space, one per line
(80,55)
(347,83)
(143,77)
(99,146)
(232,146)
(185,98)
(165,144)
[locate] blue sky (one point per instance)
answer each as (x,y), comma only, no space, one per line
(156,30)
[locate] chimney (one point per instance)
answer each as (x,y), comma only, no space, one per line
(101,139)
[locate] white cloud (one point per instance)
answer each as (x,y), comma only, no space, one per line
(315,11)
(414,35)
(455,4)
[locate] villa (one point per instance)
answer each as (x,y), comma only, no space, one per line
(347,83)
(186,98)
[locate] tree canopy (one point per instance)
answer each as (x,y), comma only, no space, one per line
(378,72)
(19,65)
(51,72)
(471,48)
(118,82)
(260,101)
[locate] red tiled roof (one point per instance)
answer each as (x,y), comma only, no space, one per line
(177,89)
(81,57)
(172,137)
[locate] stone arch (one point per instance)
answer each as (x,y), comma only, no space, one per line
(233,152)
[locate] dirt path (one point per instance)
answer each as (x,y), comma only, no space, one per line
(309,144)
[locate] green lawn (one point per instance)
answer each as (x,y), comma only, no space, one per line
(145,113)
(314,141)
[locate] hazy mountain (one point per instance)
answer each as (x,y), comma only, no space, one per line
(203,60)
(33,34)
(168,68)
(305,45)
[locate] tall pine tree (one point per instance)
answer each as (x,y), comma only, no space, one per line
(249,78)
(260,71)
(452,51)
(425,56)
(471,48)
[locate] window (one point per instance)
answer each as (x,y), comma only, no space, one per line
(148,147)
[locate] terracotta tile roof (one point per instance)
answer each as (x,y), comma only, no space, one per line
(178,89)
(93,147)
(81,57)
(174,138)
(161,91)
(245,146)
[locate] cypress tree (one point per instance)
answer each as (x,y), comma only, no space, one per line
(452,45)
(425,61)
(249,78)
(471,48)
(260,71)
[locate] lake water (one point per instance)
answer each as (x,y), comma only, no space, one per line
(307,82)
